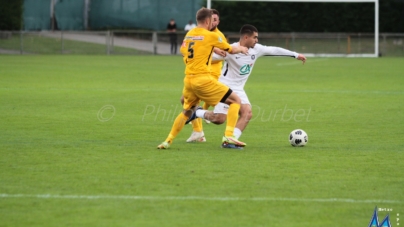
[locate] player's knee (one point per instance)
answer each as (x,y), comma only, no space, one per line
(188,113)
(249,115)
(246,115)
(218,119)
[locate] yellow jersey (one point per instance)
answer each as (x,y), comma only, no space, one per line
(197,48)
(216,66)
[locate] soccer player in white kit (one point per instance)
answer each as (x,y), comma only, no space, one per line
(235,72)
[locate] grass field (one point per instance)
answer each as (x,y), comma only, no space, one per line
(79,135)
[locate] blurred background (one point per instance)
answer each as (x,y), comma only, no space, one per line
(139,26)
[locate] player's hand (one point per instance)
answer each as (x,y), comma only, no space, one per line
(219,52)
(302,58)
(239,49)
(243,50)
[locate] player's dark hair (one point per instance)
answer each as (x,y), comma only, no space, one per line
(214,11)
(202,14)
(248,29)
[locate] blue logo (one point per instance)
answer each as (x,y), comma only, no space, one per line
(374,222)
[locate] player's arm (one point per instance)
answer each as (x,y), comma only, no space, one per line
(219,52)
(216,57)
(184,49)
(238,50)
(222,44)
(278,51)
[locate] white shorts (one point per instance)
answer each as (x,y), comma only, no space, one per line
(223,108)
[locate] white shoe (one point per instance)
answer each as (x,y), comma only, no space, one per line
(163,145)
(232,140)
(196,137)
(207,121)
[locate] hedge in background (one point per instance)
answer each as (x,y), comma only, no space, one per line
(10,14)
(311,17)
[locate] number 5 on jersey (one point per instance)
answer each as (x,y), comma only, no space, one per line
(191,50)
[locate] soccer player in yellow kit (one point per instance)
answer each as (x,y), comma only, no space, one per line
(216,67)
(197,49)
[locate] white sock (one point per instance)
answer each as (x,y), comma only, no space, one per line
(237,133)
(200,113)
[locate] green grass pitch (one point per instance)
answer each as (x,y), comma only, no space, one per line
(79,135)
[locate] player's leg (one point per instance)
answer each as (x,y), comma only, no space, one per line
(245,116)
(197,134)
(234,102)
(214,95)
(190,102)
(218,115)
(206,107)
(213,92)
(177,126)
(245,113)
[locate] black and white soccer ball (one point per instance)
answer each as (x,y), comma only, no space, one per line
(298,138)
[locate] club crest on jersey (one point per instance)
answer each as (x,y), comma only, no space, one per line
(245,69)
(252,57)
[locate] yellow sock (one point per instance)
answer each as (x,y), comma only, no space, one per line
(232,116)
(205,106)
(177,127)
(197,125)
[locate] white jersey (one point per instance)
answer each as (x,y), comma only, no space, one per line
(238,67)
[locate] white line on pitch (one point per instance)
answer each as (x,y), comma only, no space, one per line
(182,198)
(335,91)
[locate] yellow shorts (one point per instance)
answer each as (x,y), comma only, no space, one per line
(203,87)
(215,76)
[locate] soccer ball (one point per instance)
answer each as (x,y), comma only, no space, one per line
(298,138)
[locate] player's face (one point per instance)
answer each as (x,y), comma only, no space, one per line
(252,40)
(215,22)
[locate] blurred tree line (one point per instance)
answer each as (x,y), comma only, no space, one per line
(311,17)
(10,14)
(277,16)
